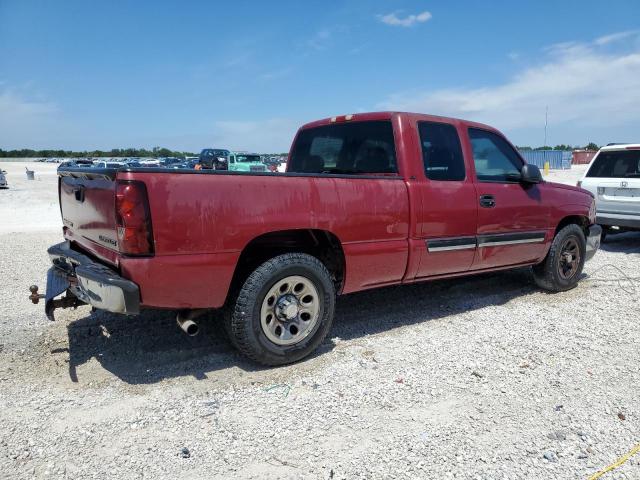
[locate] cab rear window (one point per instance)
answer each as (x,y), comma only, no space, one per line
(345,148)
(616,164)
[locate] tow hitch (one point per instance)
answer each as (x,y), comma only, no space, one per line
(68,301)
(35,296)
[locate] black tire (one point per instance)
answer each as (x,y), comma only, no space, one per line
(227,312)
(243,320)
(552,273)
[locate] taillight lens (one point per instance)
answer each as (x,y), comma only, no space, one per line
(133,219)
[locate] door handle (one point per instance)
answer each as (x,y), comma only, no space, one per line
(487,201)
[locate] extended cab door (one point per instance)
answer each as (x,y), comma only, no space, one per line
(512,217)
(447,218)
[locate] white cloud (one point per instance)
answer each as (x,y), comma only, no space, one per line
(408,21)
(584,85)
(615,37)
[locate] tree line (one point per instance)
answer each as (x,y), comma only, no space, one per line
(165,152)
(116,152)
(589,146)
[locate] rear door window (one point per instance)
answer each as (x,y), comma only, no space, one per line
(616,164)
(495,160)
(441,151)
(345,148)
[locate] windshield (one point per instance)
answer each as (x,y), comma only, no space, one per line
(616,164)
(247,158)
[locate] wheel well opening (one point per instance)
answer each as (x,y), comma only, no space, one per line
(582,222)
(323,245)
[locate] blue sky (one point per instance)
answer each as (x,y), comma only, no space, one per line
(245,75)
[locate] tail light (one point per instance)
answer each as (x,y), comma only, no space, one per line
(133,219)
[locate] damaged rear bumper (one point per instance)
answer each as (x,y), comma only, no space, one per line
(89,282)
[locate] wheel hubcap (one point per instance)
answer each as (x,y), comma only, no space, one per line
(290,310)
(569,259)
(287,308)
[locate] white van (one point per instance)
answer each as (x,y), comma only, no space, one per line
(613,177)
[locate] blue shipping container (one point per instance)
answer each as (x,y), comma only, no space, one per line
(558,159)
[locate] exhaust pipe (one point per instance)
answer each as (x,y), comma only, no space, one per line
(186,323)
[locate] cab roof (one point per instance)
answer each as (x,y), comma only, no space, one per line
(388,115)
(621,146)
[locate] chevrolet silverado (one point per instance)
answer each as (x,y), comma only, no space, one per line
(367,200)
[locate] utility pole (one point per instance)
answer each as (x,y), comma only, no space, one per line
(546,116)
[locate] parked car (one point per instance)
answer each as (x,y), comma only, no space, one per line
(150,162)
(214,159)
(613,177)
(3,179)
(272,163)
(108,164)
(77,162)
(246,162)
(368,200)
(169,161)
(190,162)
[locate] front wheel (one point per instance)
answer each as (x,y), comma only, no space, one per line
(284,310)
(562,267)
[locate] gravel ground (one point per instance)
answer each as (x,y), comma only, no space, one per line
(479,378)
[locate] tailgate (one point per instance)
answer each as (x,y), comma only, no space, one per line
(87,205)
(618,195)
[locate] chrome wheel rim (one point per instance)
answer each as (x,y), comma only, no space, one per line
(290,310)
(569,259)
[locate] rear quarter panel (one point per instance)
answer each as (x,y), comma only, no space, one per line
(202,221)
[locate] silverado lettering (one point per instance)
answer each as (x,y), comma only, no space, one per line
(108,240)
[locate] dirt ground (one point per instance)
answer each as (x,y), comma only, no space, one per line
(481,378)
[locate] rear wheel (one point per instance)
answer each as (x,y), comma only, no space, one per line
(562,267)
(283,310)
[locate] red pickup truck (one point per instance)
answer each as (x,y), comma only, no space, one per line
(368,200)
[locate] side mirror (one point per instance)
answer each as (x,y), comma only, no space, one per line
(530,174)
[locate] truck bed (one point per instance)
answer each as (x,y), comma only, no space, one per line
(203,220)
